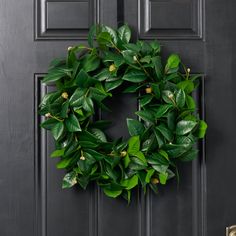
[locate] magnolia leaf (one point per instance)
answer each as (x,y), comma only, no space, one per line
(168,96)
(133,145)
(72,123)
(158,67)
(190,102)
(163,178)
(202,127)
(159,138)
(63,163)
(155,46)
(162,110)
(187,86)
(129,56)
(165,132)
(88,104)
(189,156)
(141,156)
(180,98)
(172,64)
(104,38)
(57,130)
(149,175)
(185,126)
(135,127)
(56,74)
(126,160)
(130,183)
(146,99)
(146,115)
(97,94)
(69,180)
(99,134)
(83,181)
(83,80)
(171,120)
(132,89)
(57,153)
(112,33)
(77,97)
(112,85)
(134,76)
(156,90)
(124,33)
(112,193)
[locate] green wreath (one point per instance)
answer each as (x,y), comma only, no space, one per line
(166,131)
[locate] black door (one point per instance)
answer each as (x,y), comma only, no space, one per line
(32,202)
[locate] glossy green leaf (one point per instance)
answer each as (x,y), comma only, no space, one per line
(96,155)
(146,115)
(163,178)
(162,110)
(57,130)
(83,181)
(49,123)
(155,46)
(132,89)
(91,63)
(134,76)
(158,67)
(168,96)
(146,99)
(124,33)
(130,183)
(190,102)
(64,109)
(69,180)
(112,193)
(72,123)
(99,134)
(129,56)
(83,80)
(112,33)
(180,98)
(57,153)
(185,126)
(187,86)
(172,63)
(104,38)
(202,127)
(159,138)
(88,104)
(165,131)
(133,145)
(140,156)
(189,156)
(135,127)
(77,97)
(171,120)
(156,90)
(97,94)
(91,35)
(112,85)
(63,163)
(149,175)
(56,74)
(126,160)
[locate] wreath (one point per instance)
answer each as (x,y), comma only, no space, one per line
(165,132)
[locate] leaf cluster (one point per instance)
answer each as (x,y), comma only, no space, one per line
(166,131)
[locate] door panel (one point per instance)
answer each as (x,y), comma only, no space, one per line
(31,199)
